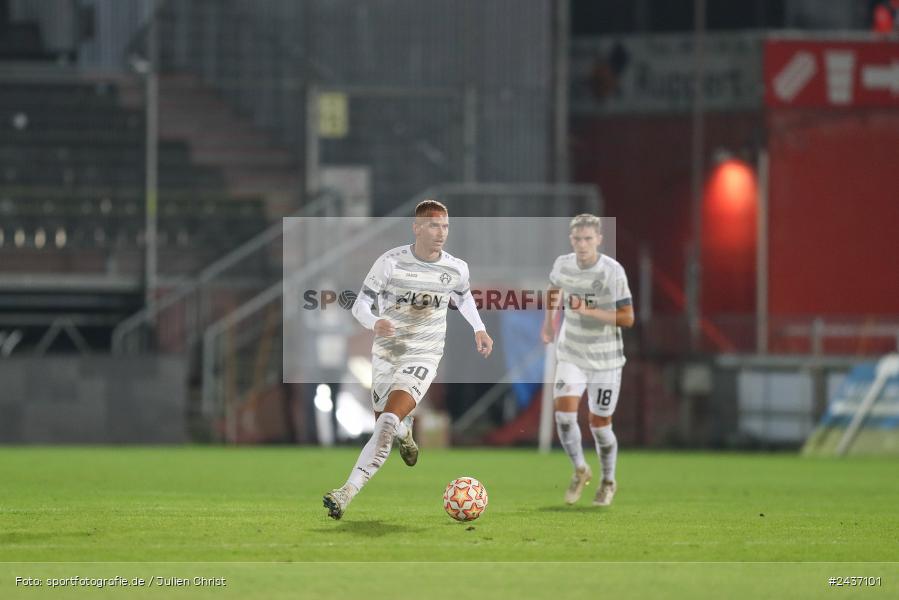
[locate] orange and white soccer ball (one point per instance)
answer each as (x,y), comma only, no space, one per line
(465,499)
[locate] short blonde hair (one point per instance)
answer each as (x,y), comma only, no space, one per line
(586,220)
(430,207)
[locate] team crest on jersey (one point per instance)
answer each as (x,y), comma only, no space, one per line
(445,278)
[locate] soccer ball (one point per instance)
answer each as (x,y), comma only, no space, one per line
(465,499)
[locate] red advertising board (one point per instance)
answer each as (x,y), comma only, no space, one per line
(831,74)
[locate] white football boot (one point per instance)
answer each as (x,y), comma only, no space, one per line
(336,502)
(579,481)
(605,493)
(408,447)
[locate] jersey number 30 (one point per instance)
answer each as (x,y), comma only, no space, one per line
(419,372)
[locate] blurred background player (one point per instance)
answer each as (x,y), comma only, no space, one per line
(589,352)
(412,285)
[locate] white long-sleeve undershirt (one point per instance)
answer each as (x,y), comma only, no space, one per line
(362,311)
(469,310)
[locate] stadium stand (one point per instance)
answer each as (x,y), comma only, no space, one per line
(72,201)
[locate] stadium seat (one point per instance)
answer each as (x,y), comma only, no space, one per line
(72,198)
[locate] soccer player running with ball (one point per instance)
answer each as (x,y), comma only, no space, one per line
(589,353)
(412,285)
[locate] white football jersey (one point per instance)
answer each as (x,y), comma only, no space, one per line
(414,294)
(585,341)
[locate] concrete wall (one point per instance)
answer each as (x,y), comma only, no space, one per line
(95,399)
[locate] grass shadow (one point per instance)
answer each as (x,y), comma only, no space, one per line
(20,537)
(372,529)
(563,508)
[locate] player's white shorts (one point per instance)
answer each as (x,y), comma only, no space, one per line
(410,375)
(602,386)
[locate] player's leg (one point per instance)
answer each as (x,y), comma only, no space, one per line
(602,399)
(374,454)
(415,378)
(408,447)
(396,392)
(607,449)
(569,385)
(568,429)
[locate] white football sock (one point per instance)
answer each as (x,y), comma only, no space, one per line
(401,429)
(375,452)
(570,436)
(607,450)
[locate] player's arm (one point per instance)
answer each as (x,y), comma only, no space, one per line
(363,313)
(469,309)
(622,316)
(464,301)
(553,303)
(374,283)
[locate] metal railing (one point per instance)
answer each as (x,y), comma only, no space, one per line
(496,393)
(188,307)
(807,335)
(819,330)
(213,352)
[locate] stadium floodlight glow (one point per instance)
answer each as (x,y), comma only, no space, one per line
(324,404)
(360,367)
(323,400)
(351,415)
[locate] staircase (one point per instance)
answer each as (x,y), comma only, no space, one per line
(220,137)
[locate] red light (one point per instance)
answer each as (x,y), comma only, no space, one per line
(731,188)
(729,238)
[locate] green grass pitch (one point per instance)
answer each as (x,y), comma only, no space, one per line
(682,525)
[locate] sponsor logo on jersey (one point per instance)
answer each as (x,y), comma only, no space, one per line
(419,299)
